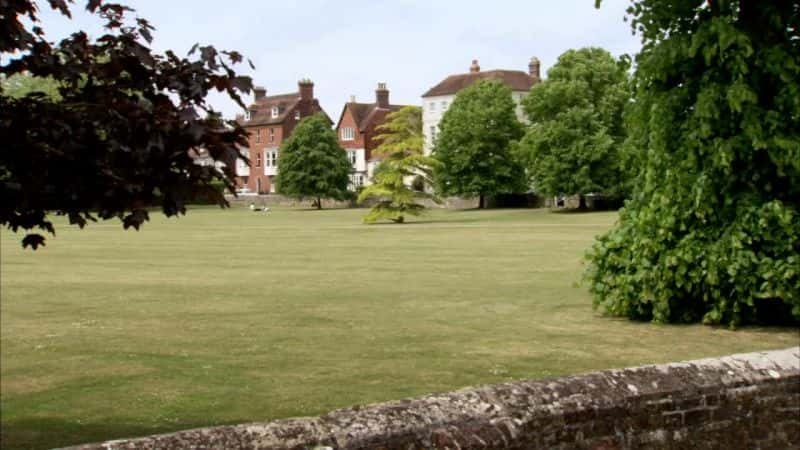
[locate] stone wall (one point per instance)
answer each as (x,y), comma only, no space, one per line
(740,401)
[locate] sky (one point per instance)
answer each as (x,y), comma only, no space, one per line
(347,46)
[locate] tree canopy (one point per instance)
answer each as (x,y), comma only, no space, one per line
(573,145)
(712,231)
(119,135)
(311,163)
(403,159)
(474,144)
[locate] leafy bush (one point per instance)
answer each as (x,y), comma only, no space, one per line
(712,232)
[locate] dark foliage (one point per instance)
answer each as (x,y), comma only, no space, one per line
(121,132)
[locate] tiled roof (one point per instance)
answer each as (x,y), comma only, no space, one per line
(365,114)
(517,80)
(376,114)
(261,110)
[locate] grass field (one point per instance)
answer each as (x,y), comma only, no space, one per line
(233,316)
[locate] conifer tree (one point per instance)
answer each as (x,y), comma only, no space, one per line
(401,149)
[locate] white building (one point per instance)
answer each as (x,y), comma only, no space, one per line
(439,98)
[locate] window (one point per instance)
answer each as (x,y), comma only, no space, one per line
(258,135)
(432,106)
(348,134)
(297,115)
(247,114)
(275,112)
(433,132)
(272,134)
(356,181)
(351,155)
(271,159)
(258,159)
(444,105)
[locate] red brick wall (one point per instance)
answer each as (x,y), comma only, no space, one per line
(281,132)
(257,170)
(348,121)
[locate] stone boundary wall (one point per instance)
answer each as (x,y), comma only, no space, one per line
(740,401)
(448,203)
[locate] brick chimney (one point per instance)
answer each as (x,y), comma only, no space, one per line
(259,92)
(533,69)
(306,89)
(382,96)
(475,67)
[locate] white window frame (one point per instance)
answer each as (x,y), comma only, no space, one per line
(348,134)
(275,112)
(432,106)
(246,114)
(270,158)
(258,136)
(297,115)
(272,135)
(352,157)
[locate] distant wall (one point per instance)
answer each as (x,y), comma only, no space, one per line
(281,200)
(501,201)
(740,401)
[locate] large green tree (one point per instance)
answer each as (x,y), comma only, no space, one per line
(403,159)
(104,128)
(712,232)
(475,142)
(312,164)
(574,143)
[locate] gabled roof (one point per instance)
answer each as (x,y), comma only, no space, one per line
(517,80)
(366,114)
(261,110)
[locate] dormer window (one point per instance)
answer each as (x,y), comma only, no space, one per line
(275,112)
(297,115)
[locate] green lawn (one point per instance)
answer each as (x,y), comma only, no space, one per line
(227,316)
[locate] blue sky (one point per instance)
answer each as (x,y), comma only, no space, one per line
(348,46)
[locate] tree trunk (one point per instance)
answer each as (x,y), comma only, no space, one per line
(581,202)
(319,203)
(481,203)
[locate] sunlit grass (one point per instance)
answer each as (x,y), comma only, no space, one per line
(234,316)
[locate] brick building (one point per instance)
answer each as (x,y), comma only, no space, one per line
(357,130)
(269,120)
(438,98)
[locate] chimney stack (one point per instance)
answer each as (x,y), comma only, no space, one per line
(475,67)
(259,92)
(306,90)
(533,69)
(382,96)
(352,98)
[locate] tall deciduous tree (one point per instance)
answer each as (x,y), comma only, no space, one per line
(119,132)
(712,232)
(312,163)
(474,143)
(401,147)
(574,143)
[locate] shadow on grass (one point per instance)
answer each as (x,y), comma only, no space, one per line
(48,433)
(567,211)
